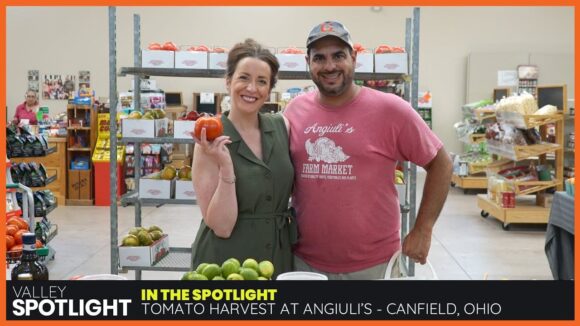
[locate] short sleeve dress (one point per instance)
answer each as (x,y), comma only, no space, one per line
(265,228)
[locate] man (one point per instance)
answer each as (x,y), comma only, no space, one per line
(345,141)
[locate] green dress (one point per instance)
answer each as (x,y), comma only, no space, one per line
(265,228)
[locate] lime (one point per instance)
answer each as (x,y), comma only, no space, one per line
(199,277)
(156,235)
(235,261)
(188,276)
(229,267)
(200,267)
(212,270)
(235,277)
(262,278)
(218,278)
(135,230)
(249,274)
(144,238)
(154,228)
(130,241)
(266,268)
(250,263)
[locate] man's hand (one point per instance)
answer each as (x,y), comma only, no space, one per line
(416,245)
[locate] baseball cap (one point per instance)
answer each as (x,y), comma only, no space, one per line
(329,28)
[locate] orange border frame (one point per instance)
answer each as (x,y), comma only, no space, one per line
(266,3)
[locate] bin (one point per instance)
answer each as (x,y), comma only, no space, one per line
(103,183)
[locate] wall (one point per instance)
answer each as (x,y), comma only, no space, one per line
(64,40)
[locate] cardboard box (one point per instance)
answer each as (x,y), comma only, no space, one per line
(183,128)
(184,189)
(218,61)
(156,188)
(144,128)
(292,62)
(190,60)
(157,59)
(395,63)
(144,256)
(364,62)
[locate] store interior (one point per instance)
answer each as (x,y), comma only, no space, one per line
(473,70)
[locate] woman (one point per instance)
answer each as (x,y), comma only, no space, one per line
(27,110)
(243,178)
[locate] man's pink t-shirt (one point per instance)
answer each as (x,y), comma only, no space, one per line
(344,160)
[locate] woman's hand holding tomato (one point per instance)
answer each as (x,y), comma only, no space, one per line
(208,134)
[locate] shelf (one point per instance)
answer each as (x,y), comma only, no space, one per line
(157,140)
(526,210)
(48,181)
(569,150)
(531,187)
(78,128)
(527,121)
(518,153)
(48,210)
(131,197)
(79,149)
(569,117)
(52,232)
(47,152)
(79,107)
(213,73)
(469,182)
(177,260)
(471,139)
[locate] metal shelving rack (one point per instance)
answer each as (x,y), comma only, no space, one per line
(179,259)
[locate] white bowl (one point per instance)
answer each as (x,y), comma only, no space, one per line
(303,276)
(102,277)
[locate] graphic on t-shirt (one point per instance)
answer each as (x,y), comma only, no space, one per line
(326,154)
(325,150)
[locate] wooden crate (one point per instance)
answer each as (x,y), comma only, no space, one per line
(80,188)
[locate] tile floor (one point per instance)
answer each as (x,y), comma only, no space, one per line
(465,246)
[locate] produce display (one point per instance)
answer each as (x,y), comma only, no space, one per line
(212,124)
(141,236)
(15,227)
(358,48)
(148,115)
(231,269)
(389,49)
(167,46)
(292,50)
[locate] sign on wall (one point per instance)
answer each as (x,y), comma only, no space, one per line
(33,80)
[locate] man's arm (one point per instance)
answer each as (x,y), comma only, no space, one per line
(417,243)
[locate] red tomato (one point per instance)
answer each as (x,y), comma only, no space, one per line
(219,50)
(18,236)
(154,46)
(11,229)
(169,46)
(9,242)
(383,49)
(213,127)
(202,48)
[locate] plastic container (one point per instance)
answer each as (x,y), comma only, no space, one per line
(101,277)
(301,276)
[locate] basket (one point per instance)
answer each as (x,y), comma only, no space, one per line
(401,273)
